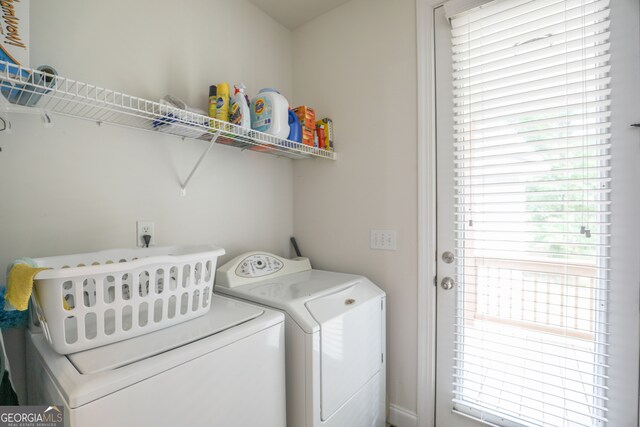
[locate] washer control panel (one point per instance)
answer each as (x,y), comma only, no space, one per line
(255,266)
(258,265)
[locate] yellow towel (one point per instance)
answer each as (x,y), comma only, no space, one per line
(20,285)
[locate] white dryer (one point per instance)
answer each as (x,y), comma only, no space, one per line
(225,368)
(334,337)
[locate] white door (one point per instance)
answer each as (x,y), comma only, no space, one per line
(536,325)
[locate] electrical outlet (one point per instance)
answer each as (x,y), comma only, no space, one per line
(143,228)
(386,240)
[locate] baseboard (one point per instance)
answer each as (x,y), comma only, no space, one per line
(400,417)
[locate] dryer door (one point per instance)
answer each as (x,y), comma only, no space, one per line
(350,342)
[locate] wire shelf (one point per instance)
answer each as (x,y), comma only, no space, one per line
(48,93)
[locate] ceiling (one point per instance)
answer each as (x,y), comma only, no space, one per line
(293,13)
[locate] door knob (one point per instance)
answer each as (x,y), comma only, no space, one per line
(447,283)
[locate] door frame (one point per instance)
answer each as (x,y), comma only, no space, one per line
(426,394)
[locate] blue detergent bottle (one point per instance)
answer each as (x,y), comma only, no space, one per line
(295,130)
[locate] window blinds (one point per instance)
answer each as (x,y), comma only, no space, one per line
(531,141)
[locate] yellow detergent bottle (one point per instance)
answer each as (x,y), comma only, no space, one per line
(222,102)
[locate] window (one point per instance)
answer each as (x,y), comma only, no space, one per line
(531,137)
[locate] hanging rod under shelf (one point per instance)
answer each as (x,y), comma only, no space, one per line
(68,97)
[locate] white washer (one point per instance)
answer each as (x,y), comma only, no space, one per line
(225,368)
(334,337)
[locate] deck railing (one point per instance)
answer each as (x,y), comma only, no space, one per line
(558,298)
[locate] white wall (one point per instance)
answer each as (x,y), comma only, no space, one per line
(79,187)
(357,64)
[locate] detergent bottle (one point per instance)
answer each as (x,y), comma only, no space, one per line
(270,113)
(295,130)
(222,102)
(240,114)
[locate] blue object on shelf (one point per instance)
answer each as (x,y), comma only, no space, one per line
(295,130)
(42,83)
(165,120)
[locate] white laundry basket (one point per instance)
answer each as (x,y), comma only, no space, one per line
(92,299)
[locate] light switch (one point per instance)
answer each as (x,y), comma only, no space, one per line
(385,240)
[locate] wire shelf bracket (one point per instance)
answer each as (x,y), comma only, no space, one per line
(8,108)
(183,188)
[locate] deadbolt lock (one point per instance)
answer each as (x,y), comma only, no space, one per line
(448,257)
